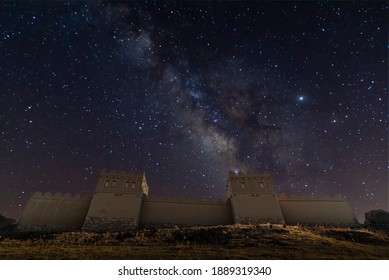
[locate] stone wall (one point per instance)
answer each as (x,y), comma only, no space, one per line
(162,211)
(320,210)
(250,183)
(122,182)
(256,209)
(108,210)
(120,203)
(47,210)
(46,228)
(253,199)
(109,224)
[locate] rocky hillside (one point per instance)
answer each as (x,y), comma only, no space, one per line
(4,222)
(218,242)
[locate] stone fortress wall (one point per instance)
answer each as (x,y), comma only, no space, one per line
(253,199)
(117,201)
(316,210)
(61,211)
(164,211)
(121,202)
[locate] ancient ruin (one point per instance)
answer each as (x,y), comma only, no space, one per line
(121,202)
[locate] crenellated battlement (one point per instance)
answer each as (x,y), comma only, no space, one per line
(60,196)
(122,182)
(121,202)
(251,184)
(48,210)
(253,198)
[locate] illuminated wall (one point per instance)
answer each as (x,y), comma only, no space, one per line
(253,199)
(324,210)
(121,203)
(57,210)
(159,211)
(116,204)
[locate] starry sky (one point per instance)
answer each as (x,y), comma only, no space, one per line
(187,91)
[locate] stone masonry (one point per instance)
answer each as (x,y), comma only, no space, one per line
(121,202)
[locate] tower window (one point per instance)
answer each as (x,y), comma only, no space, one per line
(126,185)
(242,185)
(133,185)
(261,185)
(106,183)
(113,184)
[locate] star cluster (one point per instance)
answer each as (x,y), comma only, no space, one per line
(189,90)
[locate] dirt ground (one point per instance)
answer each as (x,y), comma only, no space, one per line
(219,242)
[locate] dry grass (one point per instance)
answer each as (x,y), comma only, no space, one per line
(222,242)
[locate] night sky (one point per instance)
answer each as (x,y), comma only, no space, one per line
(187,91)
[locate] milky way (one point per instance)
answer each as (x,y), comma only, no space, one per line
(187,91)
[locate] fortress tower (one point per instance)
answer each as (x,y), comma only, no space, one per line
(117,201)
(253,199)
(121,202)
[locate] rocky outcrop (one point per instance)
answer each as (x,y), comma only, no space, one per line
(4,222)
(377,219)
(6,225)
(108,224)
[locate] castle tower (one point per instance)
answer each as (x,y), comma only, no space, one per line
(253,199)
(117,201)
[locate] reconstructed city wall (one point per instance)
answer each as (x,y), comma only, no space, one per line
(121,203)
(324,210)
(55,211)
(252,209)
(161,211)
(113,212)
(253,199)
(116,204)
